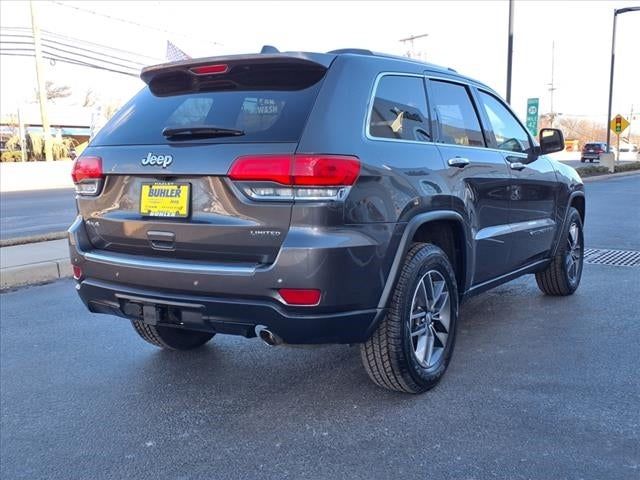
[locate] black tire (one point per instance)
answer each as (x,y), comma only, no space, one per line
(559,278)
(389,356)
(582,160)
(171,338)
(591,161)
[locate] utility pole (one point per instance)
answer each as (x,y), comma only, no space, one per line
(630,123)
(509,51)
(23,149)
(42,94)
(410,40)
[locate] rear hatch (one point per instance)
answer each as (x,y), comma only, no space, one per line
(593,148)
(163,186)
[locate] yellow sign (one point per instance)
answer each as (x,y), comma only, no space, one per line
(164,199)
(618,124)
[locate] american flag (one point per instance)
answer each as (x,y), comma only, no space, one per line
(174,53)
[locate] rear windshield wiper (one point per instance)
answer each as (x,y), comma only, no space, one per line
(200,131)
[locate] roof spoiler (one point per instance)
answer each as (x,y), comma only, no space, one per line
(258,71)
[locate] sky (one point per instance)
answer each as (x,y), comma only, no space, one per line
(469,36)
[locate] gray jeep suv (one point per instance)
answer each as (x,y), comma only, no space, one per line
(306,198)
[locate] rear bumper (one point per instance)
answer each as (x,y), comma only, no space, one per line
(227,316)
(345,265)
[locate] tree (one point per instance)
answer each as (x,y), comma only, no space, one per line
(89,98)
(54,91)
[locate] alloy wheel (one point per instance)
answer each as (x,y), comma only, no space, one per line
(573,256)
(430,318)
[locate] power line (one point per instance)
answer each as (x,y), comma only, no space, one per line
(94,52)
(45,43)
(22,32)
(58,58)
(87,42)
(130,22)
(62,52)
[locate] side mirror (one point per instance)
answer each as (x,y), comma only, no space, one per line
(551,140)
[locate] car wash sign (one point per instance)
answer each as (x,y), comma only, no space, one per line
(532,115)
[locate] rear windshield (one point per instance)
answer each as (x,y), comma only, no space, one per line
(594,145)
(264,116)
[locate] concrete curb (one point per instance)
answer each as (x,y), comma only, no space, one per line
(45,237)
(607,176)
(34,273)
(34,263)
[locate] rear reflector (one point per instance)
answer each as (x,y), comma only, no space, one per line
(293,170)
(300,296)
(210,69)
(77,272)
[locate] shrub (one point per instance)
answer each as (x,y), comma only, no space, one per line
(593,170)
(60,146)
(10,156)
(627,167)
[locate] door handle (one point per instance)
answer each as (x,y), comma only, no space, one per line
(517,166)
(458,162)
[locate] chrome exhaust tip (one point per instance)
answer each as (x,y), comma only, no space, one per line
(267,336)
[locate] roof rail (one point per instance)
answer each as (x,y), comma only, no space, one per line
(359,51)
(269,49)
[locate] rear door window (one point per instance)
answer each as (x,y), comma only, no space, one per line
(399,109)
(457,117)
(264,116)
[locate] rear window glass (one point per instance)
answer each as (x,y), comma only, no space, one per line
(264,116)
(400,109)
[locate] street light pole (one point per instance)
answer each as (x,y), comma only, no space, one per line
(616,12)
(510,51)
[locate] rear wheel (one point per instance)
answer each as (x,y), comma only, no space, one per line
(411,348)
(562,276)
(171,338)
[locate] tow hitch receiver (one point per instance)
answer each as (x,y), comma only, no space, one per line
(154,314)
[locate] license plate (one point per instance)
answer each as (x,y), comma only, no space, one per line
(165,199)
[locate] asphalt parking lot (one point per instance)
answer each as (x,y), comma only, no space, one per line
(539,388)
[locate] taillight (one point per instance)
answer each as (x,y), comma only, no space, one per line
(87,175)
(266,168)
(305,177)
(324,170)
(300,296)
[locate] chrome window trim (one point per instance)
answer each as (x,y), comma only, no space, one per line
(474,103)
(428,76)
(532,141)
(372,98)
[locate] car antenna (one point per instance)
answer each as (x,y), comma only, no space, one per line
(269,49)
